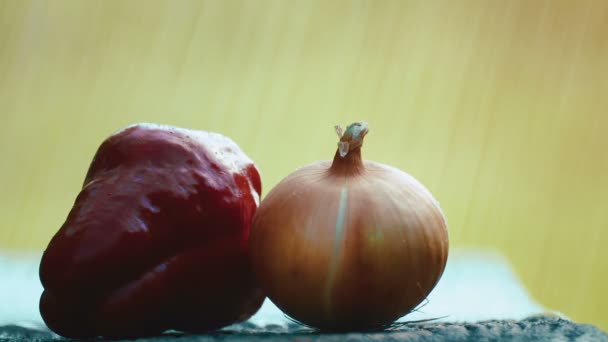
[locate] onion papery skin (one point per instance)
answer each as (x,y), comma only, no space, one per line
(349,244)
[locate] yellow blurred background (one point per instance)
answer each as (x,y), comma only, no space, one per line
(499,107)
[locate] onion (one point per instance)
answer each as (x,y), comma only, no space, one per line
(348,244)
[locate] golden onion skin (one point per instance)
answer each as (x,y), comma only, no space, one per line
(348,245)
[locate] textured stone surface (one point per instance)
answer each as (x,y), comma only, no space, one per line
(540,328)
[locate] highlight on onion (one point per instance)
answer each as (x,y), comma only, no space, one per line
(348,244)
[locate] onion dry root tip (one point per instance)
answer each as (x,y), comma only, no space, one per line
(352,137)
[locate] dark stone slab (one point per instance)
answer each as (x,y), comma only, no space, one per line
(541,328)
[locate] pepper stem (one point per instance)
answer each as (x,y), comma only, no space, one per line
(348,155)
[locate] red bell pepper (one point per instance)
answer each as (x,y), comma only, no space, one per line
(157,238)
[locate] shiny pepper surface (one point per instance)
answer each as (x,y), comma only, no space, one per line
(157,238)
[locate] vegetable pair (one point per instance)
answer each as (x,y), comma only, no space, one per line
(164,235)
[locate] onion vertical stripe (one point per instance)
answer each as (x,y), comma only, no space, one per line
(337,250)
